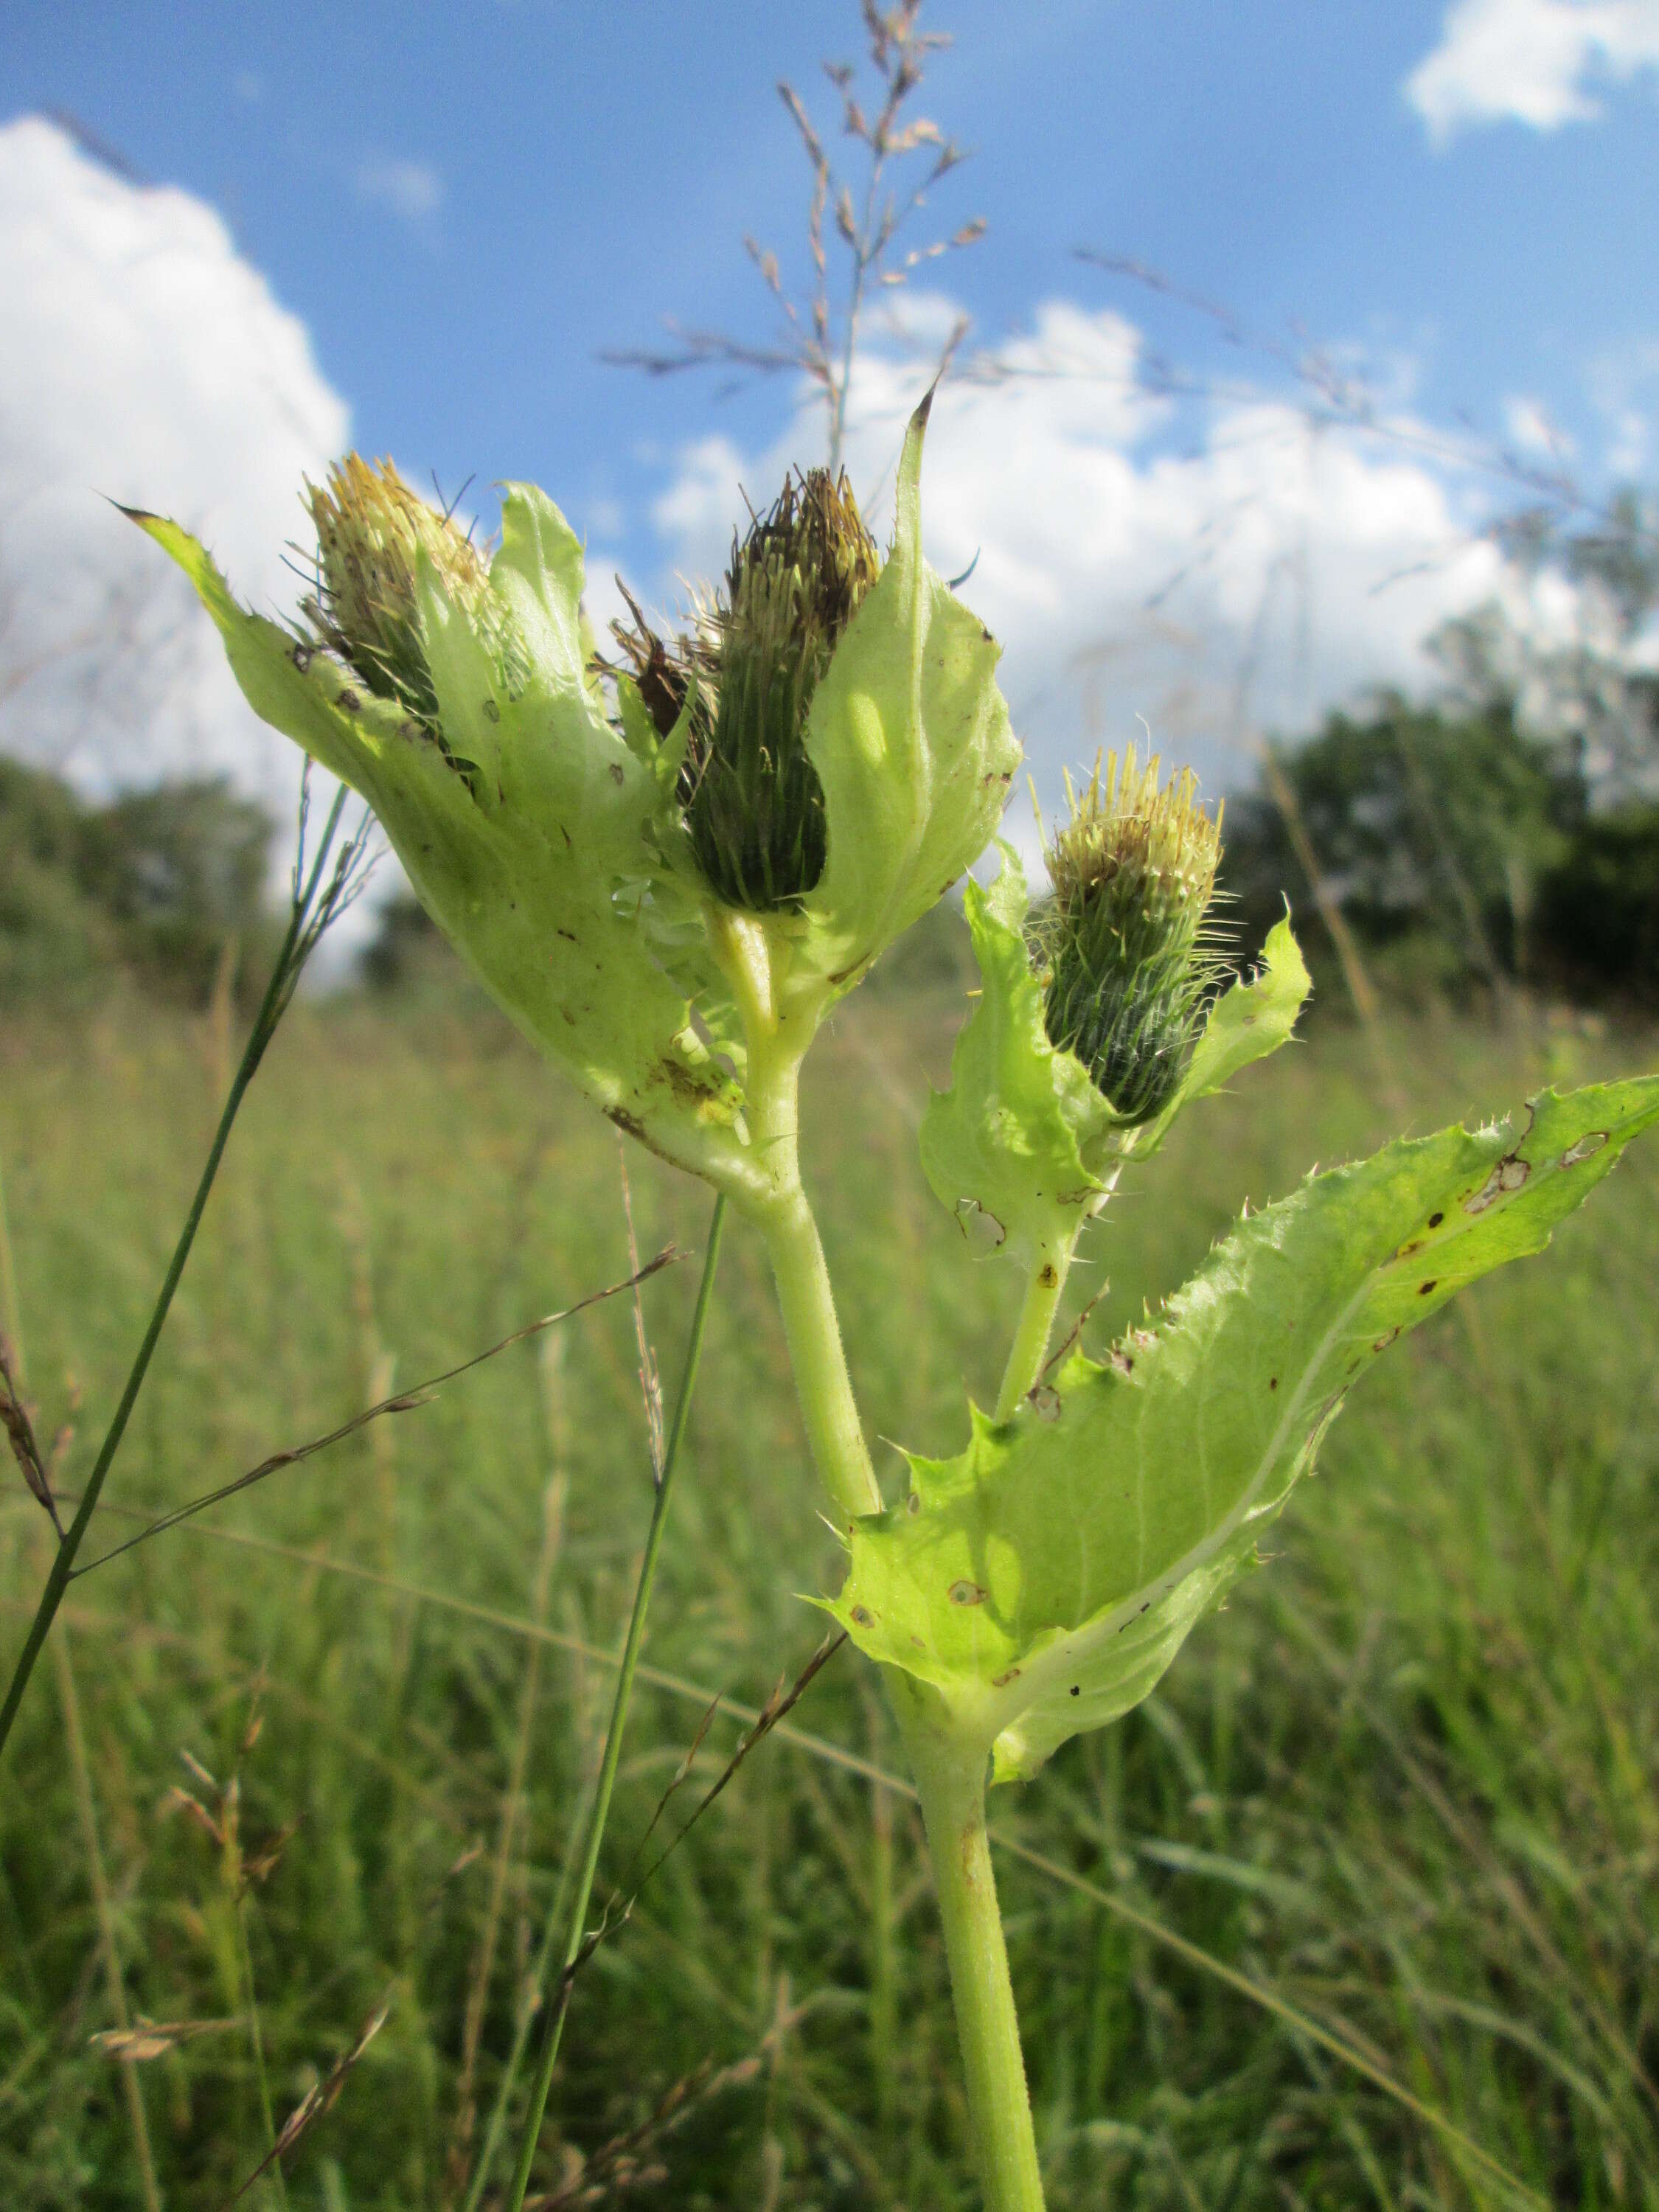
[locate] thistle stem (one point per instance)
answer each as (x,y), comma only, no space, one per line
(829,1409)
(816,1354)
(951,1785)
(1043,1292)
(950,1779)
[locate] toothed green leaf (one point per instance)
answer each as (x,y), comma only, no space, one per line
(1003,1146)
(1041,1581)
(1250,1020)
(522,827)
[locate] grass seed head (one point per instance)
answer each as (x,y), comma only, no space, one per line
(1128,938)
(372,534)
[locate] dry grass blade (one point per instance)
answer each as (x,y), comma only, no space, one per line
(20,1431)
(421,1393)
(650,1381)
(781,1702)
(614,2165)
(156,2038)
(313,2106)
(1057,1357)
(682,1775)
(1340,2039)
(777,1707)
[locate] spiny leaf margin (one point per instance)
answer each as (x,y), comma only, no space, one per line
(1251,1020)
(1041,1582)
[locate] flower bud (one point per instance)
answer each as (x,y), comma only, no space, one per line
(372,534)
(753,801)
(1129,947)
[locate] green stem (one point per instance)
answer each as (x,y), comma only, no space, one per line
(819,1360)
(1044,1292)
(777,1044)
(951,1786)
(294,947)
(548,2057)
(523,2023)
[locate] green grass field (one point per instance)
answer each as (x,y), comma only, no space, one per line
(1399,1798)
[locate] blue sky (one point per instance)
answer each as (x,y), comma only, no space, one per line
(464,206)
(592,168)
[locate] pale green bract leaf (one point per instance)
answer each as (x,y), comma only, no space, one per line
(1041,1582)
(521,830)
(912,743)
(1002,1147)
(1245,1022)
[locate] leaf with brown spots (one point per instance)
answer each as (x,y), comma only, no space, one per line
(1041,1581)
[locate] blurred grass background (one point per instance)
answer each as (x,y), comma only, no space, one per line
(1405,1781)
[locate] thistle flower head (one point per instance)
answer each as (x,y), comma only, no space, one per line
(372,534)
(1128,940)
(753,801)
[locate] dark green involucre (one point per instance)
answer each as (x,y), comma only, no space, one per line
(1126,938)
(753,801)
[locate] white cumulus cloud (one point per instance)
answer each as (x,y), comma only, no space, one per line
(143,360)
(1217,567)
(1537,62)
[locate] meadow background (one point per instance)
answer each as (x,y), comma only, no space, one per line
(1301,402)
(1403,1783)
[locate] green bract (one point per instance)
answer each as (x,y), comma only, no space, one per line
(1126,940)
(1018,1145)
(461,702)
(1251,1018)
(1015,1146)
(519,817)
(911,742)
(1041,1582)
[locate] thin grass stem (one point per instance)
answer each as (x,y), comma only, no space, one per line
(1348,2049)
(10,1317)
(513,1805)
(298,940)
(275,2183)
(104,1907)
(547,2059)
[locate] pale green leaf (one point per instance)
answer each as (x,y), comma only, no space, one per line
(1002,1147)
(1041,1581)
(911,741)
(1250,1020)
(520,829)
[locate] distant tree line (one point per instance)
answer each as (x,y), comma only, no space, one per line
(1507,836)
(156,883)
(1460,852)
(1510,835)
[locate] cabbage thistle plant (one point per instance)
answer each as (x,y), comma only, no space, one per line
(669,871)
